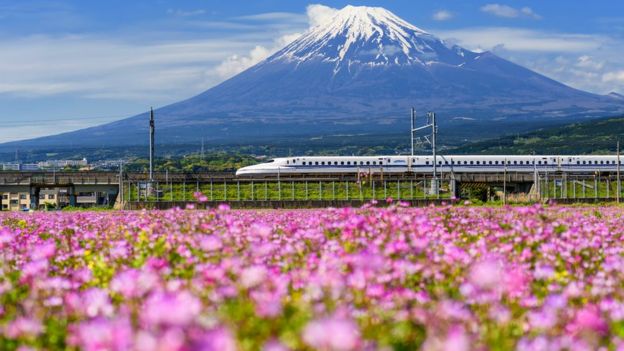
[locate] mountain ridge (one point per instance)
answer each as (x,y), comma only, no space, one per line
(361,72)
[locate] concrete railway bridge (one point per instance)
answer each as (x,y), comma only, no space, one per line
(36,190)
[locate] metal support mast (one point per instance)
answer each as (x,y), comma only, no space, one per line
(151,150)
(434,132)
(619,184)
(431,123)
(412,130)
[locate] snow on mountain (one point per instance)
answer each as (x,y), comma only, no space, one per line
(359,73)
(616,95)
(371,35)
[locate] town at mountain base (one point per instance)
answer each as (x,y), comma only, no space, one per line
(359,73)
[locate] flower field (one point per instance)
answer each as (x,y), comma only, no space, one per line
(445,278)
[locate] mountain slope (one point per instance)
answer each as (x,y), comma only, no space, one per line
(360,73)
(595,136)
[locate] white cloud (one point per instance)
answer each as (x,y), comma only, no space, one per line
(442,15)
(527,11)
(316,15)
(582,61)
(319,14)
(238,63)
(614,77)
(275,16)
(97,67)
(509,12)
(587,61)
(525,40)
(186,13)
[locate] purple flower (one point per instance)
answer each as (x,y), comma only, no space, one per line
(332,334)
(172,309)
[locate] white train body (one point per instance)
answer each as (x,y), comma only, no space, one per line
(424,164)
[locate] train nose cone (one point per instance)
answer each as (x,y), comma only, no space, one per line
(244,171)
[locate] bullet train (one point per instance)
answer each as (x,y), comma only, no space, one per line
(424,164)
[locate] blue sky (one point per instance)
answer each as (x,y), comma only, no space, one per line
(68,64)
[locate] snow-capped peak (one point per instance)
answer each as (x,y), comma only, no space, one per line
(368,35)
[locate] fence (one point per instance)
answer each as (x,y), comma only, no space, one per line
(233,190)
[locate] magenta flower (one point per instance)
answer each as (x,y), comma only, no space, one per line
(23,327)
(171,309)
(332,333)
(103,334)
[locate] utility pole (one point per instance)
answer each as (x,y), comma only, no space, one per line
(434,132)
(431,123)
(619,184)
(412,130)
(151,151)
(202,149)
(505,183)
(120,196)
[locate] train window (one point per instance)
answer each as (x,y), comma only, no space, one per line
(374,162)
(294,161)
(304,163)
(335,163)
(362,163)
(316,163)
(472,162)
(515,162)
(578,162)
(342,162)
(446,162)
(427,162)
(466,162)
(348,163)
(478,162)
(368,162)
(287,162)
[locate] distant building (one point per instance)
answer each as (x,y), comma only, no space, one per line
(29,167)
(63,163)
(15,201)
(10,167)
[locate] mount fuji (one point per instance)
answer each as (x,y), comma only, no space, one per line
(359,73)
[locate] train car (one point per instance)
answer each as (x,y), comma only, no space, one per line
(424,164)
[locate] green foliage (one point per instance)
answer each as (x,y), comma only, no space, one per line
(591,137)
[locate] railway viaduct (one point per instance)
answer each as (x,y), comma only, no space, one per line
(103,188)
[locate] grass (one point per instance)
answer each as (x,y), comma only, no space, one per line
(297,190)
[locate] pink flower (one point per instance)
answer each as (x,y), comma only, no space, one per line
(219,339)
(22,327)
(173,309)
(274,345)
(134,283)
(588,319)
(200,197)
(252,276)
(95,302)
(456,340)
(103,334)
(486,274)
(332,334)
(210,243)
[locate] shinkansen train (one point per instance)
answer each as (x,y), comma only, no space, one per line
(424,164)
